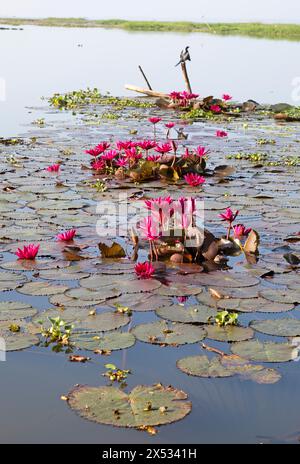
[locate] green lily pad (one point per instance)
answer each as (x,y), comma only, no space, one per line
(162,333)
(281,296)
(227,279)
(96,281)
(178,290)
(62,274)
(63,300)
(143,406)
(227,366)
(11,310)
(279,327)
(248,305)
(41,289)
(70,315)
(19,340)
(10,281)
(108,342)
(90,295)
(189,314)
(265,352)
(143,302)
(247,371)
(103,322)
(229,333)
(201,366)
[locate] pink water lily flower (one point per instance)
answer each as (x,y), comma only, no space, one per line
(109,155)
(221,133)
(163,148)
(240,231)
(144,270)
(66,236)
(122,162)
(154,120)
(170,125)
(187,153)
(147,144)
(229,215)
(53,168)
(161,201)
(149,228)
(153,158)
(28,252)
(175,95)
(124,144)
(188,95)
(201,151)
(181,299)
(98,165)
(93,152)
(215,109)
(132,153)
(102,146)
(226,97)
(194,179)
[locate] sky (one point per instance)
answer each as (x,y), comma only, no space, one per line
(193,10)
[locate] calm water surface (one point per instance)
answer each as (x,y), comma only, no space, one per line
(38,61)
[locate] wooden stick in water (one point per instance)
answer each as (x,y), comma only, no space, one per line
(186,77)
(144,76)
(150,93)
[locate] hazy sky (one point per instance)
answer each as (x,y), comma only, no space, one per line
(196,10)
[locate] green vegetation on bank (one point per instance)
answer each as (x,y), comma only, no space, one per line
(269,31)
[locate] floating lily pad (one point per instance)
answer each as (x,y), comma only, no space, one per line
(249,305)
(226,279)
(248,371)
(89,295)
(279,327)
(144,406)
(189,314)
(264,376)
(33,264)
(143,302)
(65,301)
(228,333)
(201,366)
(162,333)
(11,310)
(41,289)
(19,340)
(10,281)
(265,352)
(281,296)
(178,290)
(108,342)
(102,322)
(70,315)
(227,366)
(62,274)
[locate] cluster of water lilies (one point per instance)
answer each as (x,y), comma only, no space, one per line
(167,227)
(239,230)
(184,98)
(30,251)
(188,100)
(149,159)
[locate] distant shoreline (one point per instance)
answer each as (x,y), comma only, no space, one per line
(258,30)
